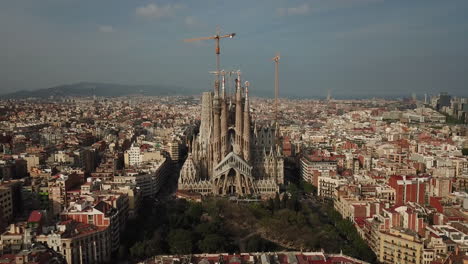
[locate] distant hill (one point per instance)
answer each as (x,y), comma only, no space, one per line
(86,89)
(100,89)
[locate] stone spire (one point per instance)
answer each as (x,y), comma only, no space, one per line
(224,121)
(216,127)
(192,149)
(206,117)
(223,90)
(246,134)
(238,141)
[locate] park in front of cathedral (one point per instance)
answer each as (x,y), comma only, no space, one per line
(296,221)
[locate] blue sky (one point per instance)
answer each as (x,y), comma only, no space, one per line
(352,47)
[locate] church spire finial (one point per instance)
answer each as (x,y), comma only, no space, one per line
(223,82)
(246,106)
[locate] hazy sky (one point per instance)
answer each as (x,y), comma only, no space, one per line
(353,47)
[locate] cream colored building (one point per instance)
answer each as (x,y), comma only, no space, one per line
(173,150)
(152,156)
(80,243)
(15,238)
(32,161)
(343,204)
(134,197)
(327,185)
(461,166)
(400,247)
(134,157)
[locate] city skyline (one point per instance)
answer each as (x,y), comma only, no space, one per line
(353,47)
(327,131)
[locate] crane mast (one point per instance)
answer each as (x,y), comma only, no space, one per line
(216,37)
(275,163)
(276,60)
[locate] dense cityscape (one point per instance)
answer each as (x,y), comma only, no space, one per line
(315,132)
(79,173)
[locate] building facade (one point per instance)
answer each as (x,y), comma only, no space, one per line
(313,167)
(408,189)
(400,247)
(10,202)
(58,186)
(79,243)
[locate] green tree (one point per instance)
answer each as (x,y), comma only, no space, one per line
(277,202)
(137,251)
(271,205)
(195,211)
(213,227)
(149,248)
(294,204)
(284,201)
(212,243)
(158,243)
(465,151)
(259,211)
(312,242)
(254,244)
(293,189)
(180,241)
(309,188)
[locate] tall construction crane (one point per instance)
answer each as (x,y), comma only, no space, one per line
(276,60)
(277,140)
(216,37)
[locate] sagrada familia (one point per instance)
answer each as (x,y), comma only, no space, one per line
(230,156)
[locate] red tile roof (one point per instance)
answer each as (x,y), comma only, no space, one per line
(35,217)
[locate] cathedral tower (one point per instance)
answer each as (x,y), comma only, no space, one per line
(224,121)
(246,134)
(238,128)
(216,126)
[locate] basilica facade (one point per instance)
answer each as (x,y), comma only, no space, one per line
(230,156)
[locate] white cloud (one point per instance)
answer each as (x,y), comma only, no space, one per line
(106,29)
(303,9)
(323,6)
(157,11)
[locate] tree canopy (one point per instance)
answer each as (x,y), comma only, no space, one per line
(218,225)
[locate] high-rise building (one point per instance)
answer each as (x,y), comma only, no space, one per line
(132,157)
(11,204)
(444,100)
(173,149)
(230,156)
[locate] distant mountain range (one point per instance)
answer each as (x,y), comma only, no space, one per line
(87,89)
(84,89)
